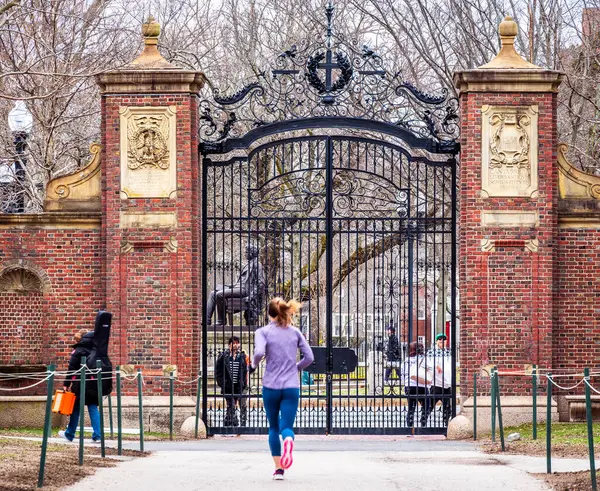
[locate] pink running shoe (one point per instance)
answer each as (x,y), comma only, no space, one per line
(286,458)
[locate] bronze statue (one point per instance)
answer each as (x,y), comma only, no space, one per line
(250,287)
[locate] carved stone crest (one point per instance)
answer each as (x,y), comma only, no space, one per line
(148,136)
(509,151)
(510,142)
(148,151)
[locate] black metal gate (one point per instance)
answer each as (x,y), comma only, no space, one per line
(345,190)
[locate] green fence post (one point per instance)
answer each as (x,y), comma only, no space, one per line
(47,425)
(590,428)
(140,410)
(171,381)
(197,405)
(501,427)
(474,406)
(493,403)
(119,418)
(81,407)
(549,425)
(534,393)
(100,407)
(110,417)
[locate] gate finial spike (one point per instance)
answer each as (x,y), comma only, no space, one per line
(508,57)
(329,14)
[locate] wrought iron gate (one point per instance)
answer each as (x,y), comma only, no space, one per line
(345,189)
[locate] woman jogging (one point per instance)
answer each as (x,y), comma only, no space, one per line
(279,342)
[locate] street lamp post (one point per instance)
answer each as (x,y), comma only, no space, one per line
(20,122)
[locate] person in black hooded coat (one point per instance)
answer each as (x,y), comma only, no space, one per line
(84,344)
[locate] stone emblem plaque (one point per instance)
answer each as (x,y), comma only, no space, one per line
(509,151)
(148,166)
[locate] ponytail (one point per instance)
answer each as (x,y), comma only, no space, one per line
(282,311)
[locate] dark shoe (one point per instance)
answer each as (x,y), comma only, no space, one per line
(278,475)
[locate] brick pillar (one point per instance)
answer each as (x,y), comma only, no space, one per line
(150,184)
(508,216)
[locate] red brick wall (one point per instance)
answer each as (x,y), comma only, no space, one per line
(71,260)
(21,318)
(577,338)
(506,295)
(153,293)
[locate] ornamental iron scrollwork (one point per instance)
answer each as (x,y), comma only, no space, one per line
(330,78)
(302,193)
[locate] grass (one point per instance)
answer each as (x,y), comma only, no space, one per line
(39,432)
(563,433)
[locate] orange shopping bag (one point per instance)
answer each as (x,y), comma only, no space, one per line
(63,402)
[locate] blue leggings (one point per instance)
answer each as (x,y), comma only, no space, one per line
(276,401)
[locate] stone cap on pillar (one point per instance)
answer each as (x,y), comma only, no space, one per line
(508,71)
(150,72)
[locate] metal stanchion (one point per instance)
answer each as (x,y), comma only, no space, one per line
(100,407)
(141,410)
(590,428)
(82,407)
(499,406)
(197,405)
(549,426)
(47,425)
(110,417)
(171,381)
(119,417)
(493,403)
(474,406)
(534,393)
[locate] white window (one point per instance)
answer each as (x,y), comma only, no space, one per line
(343,325)
(337,324)
(7,172)
(305,324)
(350,325)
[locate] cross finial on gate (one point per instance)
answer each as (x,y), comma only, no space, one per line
(329,14)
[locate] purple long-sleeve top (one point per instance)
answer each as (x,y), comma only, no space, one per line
(280,347)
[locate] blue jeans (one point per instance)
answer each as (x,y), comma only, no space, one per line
(281,406)
(74,421)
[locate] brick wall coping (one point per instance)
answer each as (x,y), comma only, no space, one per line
(51,220)
(150,82)
(508,80)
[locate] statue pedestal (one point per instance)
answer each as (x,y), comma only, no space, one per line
(375,372)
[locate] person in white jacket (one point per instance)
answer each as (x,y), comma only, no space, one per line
(441,389)
(417,377)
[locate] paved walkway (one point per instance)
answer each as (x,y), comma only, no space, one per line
(332,463)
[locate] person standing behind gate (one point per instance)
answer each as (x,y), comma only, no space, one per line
(230,375)
(392,354)
(279,342)
(417,379)
(441,390)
